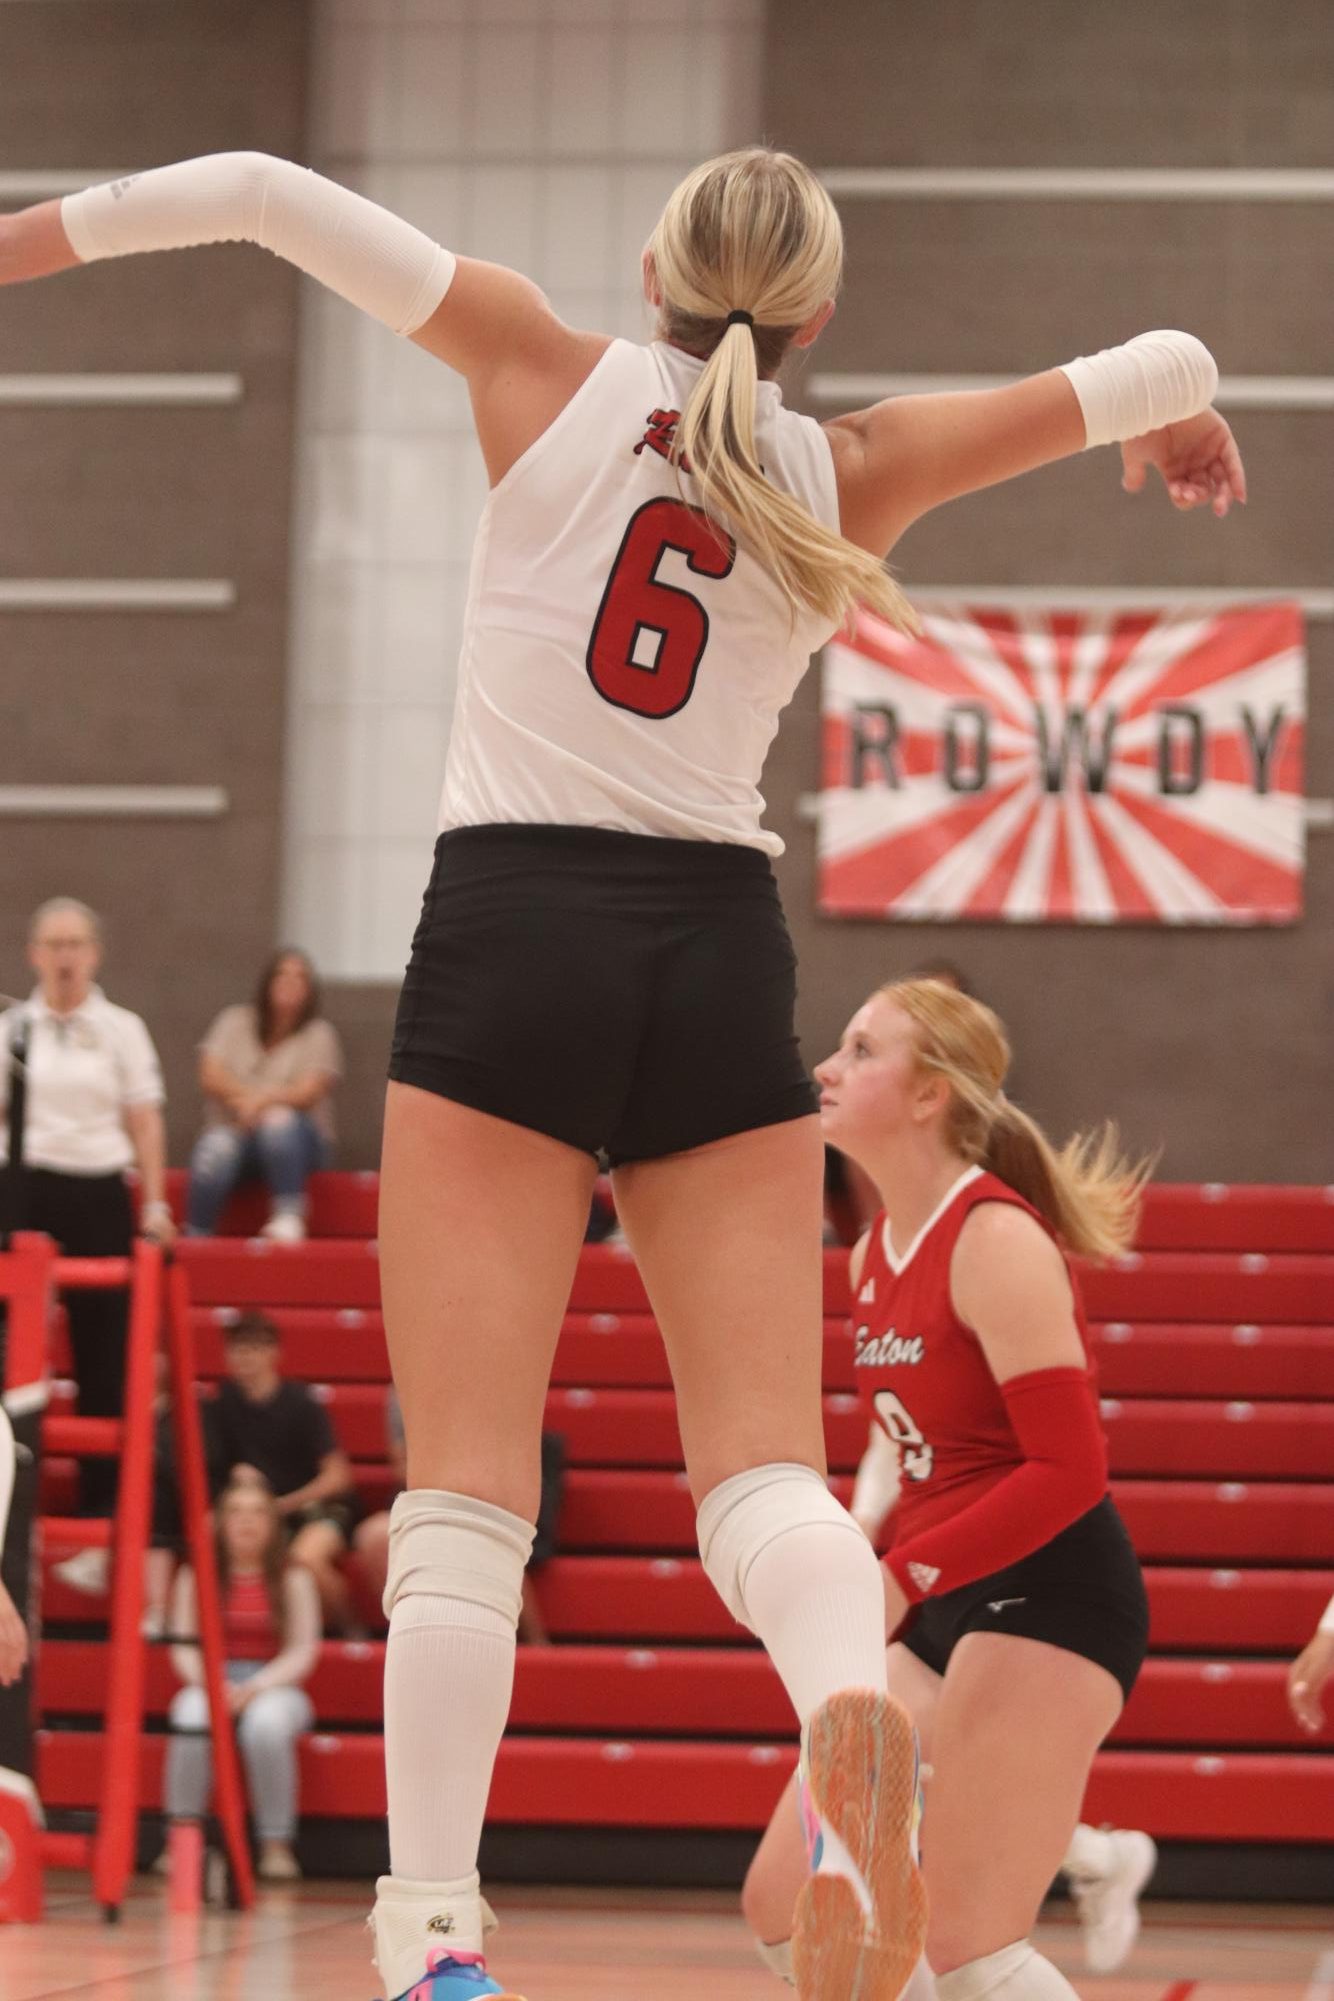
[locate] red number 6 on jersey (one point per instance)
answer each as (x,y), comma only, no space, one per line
(637,601)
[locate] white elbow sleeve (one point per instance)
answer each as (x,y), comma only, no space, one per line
(361,251)
(1155,379)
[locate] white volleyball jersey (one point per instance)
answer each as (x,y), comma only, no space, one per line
(621,667)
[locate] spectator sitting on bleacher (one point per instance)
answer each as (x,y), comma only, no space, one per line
(267,1070)
(283,1431)
(372,1538)
(271,1642)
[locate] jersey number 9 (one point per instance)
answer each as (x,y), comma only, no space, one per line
(649,636)
(916,1457)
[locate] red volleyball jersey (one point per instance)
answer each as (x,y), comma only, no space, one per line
(922,1373)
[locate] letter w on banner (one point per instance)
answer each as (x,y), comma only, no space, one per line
(1069,766)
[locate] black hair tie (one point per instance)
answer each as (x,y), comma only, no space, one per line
(740,318)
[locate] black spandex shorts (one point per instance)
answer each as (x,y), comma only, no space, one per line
(1082,1591)
(620,992)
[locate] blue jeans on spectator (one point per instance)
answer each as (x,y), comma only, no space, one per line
(267,1734)
(284,1150)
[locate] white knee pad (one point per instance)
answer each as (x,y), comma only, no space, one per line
(746,1513)
(778,1959)
(451,1546)
(1015,1973)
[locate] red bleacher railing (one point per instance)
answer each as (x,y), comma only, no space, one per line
(31,1275)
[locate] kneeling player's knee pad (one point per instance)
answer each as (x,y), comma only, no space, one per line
(1015,1973)
(450,1546)
(742,1516)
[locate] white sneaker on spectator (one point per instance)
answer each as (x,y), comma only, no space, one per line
(285,1226)
(88,1571)
(1108,1901)
(277,1864)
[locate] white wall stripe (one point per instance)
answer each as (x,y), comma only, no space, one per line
(1081,183)
(41,183)
(1130,597)
(176,802)
(1299,184)
(116,594)
(120,389)
(1235,392)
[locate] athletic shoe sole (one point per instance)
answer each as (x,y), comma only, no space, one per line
(861,1768)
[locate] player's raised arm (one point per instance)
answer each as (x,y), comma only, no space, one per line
(365,253)
(899,459)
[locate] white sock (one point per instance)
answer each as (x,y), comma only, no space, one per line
(1015,1973)
(448,1678)
(791,1564)
(1092,1852)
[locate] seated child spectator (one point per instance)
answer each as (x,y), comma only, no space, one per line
(267,1070)
(282,1431)
(271,1640)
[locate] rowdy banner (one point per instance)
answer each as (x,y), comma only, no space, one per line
(1066,766)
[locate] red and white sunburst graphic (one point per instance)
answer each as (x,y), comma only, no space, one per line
(1141,767)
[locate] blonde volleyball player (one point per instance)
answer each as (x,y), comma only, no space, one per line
(1010,1577)
(602,959)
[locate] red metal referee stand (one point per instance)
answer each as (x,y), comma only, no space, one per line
(31,1278)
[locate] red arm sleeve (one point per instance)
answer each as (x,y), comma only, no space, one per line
(1054,1413)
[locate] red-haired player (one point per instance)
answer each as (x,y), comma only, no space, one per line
(1010,1575)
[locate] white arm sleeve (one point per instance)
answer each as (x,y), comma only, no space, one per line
(876,1488)
(7,1463)
(1327,1619)
(359,250)
(1155,379)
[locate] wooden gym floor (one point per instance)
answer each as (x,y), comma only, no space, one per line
(589,1945)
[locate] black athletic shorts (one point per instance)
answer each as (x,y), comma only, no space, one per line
(619,992)
(1082,1591)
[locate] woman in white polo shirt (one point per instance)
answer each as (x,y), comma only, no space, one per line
(94,1109)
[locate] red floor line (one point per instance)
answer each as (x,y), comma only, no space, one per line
(1180,1990)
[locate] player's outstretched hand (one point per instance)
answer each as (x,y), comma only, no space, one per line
(1198,460)
(33,244)
(13,1641)
(1306,1680)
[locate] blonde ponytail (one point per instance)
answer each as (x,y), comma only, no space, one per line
(754,232)
(1090,1192)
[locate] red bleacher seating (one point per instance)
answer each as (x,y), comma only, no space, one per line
(1182,1216)
(715,1691)
(1215,1346)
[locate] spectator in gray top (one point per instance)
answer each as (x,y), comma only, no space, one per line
(267,1070)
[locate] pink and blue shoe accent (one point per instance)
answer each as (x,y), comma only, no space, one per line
(457,1976)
